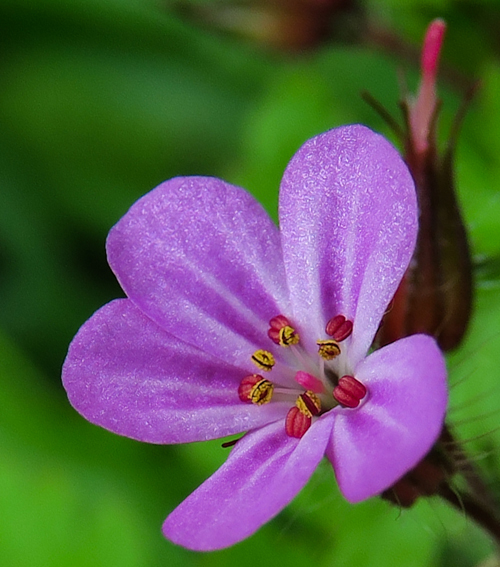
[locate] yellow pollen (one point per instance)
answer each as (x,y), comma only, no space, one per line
(262,392)
(288,336)
(328,349)
(314,401)
(263,359)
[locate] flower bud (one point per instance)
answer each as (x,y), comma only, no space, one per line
(435,296)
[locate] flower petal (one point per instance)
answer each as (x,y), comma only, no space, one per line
(375,445)
(348,217)
(126,374)
(202,258)
(263,473)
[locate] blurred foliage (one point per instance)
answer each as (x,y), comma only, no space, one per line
(100,100)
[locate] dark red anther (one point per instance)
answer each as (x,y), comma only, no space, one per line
(349,392)
(339,328)
(297,423)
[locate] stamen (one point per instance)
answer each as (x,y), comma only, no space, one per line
(309,382)
(339,328)
(309,404)
(328,349)
(263,359)
(255,389)
(349,392)
(281,332)
(297,423)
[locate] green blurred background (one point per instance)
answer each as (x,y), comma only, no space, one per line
(101,100)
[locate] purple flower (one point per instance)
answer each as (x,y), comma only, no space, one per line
(232,326)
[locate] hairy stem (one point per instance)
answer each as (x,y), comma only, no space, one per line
(482,514)
(467,469)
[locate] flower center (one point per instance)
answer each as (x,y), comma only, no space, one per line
(313,384)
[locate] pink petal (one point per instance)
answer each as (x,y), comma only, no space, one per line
(348,217)
(263,473)
(126,374)
(202,258)
(375,445)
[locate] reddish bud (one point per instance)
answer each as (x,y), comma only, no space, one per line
(339,328)
(349,392)
(297,423)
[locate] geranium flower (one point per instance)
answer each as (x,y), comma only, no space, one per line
(232,325)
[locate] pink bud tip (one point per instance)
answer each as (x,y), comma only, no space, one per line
(432,48)
(422,111)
